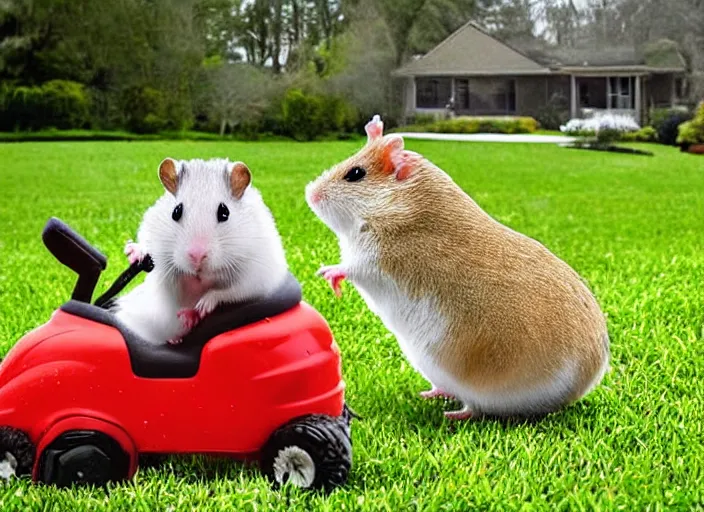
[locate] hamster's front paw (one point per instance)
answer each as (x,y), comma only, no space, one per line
(189,319)
(206,305)
(333,274)
(134,252)
(175,341)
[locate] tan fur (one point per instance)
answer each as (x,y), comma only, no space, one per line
(168,175)
(239,179)
(518,314)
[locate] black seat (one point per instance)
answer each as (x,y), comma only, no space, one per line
(163,361)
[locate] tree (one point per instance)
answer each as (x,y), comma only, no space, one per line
(235,94)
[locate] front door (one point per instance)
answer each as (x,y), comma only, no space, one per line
(461,94)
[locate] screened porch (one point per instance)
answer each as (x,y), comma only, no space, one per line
(592,95)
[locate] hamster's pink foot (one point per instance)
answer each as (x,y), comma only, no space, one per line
(189,318)
(334,275)
(175,341)
(435,393)
(461,414)
(133,252)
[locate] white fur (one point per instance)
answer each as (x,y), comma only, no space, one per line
(245,258)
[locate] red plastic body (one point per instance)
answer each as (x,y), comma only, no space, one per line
(74,373)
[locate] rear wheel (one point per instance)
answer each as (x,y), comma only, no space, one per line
(311,452)
(17,453)
(83,457)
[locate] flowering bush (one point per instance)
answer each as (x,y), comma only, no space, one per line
(593,125)
(606,127)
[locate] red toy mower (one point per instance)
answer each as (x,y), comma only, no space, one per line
(82,397)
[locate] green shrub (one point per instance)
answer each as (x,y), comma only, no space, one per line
(337,115)
(307,116)
(146,110)
(67,102)
(301,115)
(659,115)
(471,125)
(692,132)
(55,104)
(645,134)
(608,136)
(421,119)
(554,114)
(666,122)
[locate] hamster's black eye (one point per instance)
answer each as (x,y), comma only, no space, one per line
(223,213)
(355,174)
(178,211)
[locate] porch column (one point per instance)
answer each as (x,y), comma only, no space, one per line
(412,102)
(638,100)
(608,93)
(573,96)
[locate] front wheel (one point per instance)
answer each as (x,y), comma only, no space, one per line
(311,452)
(83,457)
(16,453)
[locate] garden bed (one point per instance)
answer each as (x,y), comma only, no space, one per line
(609,148)
(694,149)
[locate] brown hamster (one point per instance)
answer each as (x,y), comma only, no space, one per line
(487,315)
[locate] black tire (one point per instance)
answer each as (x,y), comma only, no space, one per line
(83,457)
(312,452)
(20,447)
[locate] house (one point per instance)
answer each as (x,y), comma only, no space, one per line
(481,75)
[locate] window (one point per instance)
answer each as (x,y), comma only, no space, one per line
(492,96)
(433,92)
(621,95)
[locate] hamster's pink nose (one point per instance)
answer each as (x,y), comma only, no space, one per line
(197,254)
(315,197)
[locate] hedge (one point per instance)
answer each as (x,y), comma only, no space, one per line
(58,104)
(508,125)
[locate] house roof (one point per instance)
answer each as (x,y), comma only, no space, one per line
(662,55)
(472,51)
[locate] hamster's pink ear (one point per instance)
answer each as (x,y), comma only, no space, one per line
(168,175)
(392,149)
(405,162)
(240,178)
(374,128)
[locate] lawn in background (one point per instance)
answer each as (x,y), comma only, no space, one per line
(633,226)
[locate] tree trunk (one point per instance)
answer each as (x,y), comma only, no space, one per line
(276,34)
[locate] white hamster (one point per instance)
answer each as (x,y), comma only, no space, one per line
(212,240)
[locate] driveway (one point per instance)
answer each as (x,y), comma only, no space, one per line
(491,137)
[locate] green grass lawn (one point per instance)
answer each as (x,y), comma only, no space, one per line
(633,226)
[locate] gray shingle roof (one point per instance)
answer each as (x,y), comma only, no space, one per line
(472,51)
